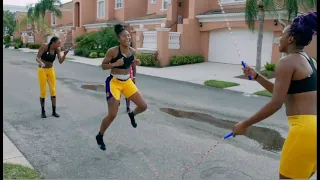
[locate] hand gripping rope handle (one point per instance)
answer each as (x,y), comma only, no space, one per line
(244,66)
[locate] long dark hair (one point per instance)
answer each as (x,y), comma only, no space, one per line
(303,28)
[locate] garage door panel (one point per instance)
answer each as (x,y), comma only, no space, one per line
(222,49)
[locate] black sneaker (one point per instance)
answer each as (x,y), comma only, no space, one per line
(100,142)
(43,115)
(133,121)
(55,115)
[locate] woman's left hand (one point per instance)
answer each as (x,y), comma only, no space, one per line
(66,52)
(239,129)
(138,62)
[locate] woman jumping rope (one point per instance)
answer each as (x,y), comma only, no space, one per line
(46,56)
(119,59)
(296,87)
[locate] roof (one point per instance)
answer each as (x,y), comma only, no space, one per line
(149,16)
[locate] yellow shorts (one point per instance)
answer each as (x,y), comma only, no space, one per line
(116,87)
(299,152)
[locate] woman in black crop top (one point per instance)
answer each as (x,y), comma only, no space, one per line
(296,87)
(46,56)
(119,59)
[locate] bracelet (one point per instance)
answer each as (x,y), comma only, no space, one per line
(257,75)
(133,77)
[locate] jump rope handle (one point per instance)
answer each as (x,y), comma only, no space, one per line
(228,135)
(244,66)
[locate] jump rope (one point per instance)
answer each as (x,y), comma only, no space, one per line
(198,160)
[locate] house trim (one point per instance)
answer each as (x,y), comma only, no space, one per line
(146,21)
(98,25)
(234,17)
(233,3)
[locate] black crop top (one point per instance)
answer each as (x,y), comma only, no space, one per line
(47,56)
(126,61)
(307,84)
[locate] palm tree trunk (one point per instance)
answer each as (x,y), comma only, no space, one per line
(44,29)
(260,37)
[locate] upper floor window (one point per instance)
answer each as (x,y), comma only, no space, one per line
(101,8)
(153,1)
(119,4)
(53,19)
(165,4)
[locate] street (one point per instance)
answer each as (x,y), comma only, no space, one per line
(182,122)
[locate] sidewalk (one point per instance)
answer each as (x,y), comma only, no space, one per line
(194,73)
(12,155)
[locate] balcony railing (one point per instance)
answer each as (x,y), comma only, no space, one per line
(174,40)
(150,39)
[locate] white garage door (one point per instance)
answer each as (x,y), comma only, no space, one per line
(222,50)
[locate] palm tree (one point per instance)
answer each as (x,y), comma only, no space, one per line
(256,9)
(40,9)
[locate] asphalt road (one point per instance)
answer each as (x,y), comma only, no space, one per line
(162,144)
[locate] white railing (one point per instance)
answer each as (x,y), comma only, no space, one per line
(150,39)
(30,39)
(174,40)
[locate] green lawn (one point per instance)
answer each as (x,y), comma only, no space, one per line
(263,93)
(15,171)
(69,58)
(220,84)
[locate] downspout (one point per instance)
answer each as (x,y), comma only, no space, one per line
(284,25)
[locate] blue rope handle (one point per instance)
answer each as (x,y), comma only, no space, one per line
(244,66)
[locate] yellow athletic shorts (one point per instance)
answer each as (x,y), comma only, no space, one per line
(116,87)
(299,152)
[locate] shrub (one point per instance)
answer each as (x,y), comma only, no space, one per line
(82,52)
(93,55)
(147,59)
(26,45)
(101,54)
(18,42)
(186,59)
(7,39)
(34,46)
(270,67)
(98,42)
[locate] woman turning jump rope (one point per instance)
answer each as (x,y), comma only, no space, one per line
(296,88)
(119,59)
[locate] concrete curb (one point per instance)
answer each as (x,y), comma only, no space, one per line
(11,154)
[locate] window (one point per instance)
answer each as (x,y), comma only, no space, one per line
(53,20)
(165,4)
(101,8)
(119,4)
(153,1)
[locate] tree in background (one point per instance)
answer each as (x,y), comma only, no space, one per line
(39,12)
(9,22)
(256,9)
